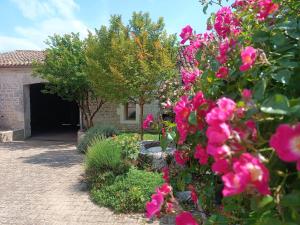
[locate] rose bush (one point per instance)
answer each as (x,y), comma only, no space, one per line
(237,123)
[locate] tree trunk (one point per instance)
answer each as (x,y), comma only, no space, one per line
(141,121)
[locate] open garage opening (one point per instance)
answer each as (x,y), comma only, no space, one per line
(51,117)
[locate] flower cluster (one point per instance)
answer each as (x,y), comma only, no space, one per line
(160,201)
(148,121)
(183,109)
(263,8)
(225,142)
(226,23)
(218,135)
(189,77)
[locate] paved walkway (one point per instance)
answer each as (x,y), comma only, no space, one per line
(41,183)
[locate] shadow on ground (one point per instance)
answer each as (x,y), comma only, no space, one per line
(33,145)
(60,158)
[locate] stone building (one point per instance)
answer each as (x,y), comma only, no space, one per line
(25,110)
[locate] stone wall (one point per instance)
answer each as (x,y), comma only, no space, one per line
(112,114)
(13,81)
(15,104)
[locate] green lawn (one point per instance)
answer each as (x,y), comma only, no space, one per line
(147,136)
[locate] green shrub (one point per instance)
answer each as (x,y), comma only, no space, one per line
(130,147)
(103,155)
(128,193)
(97,130)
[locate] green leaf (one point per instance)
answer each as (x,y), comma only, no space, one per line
(291,200)
(282,76)
(260,36)
(193,118)
(205,8)
(259,89)
(217,219)
(276,104)
(279,39)
(265,201)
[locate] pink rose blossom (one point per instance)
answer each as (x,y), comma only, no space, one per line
(198,100)
(248,55)
(166,174)
(181,157)
(224,112)
(182,111)
(190,52)
(189,77)
(251,125)
(201,155)
(148,121)
(226,23)
(185,218)
(153,208)
(218,152)
(286,142)
(257,173)
(266,8)
(169,207)
(215,116)
(248,171)
(223,50)
(222,72)
(165,189)
(247,94)
(194,195)
(218,134)
(227,105)
(234,183)
(186,33)
(221,166)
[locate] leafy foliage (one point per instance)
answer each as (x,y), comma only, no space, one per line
(131,61)
(128,193)
(103,155)
(64,67)
(99,130)
(130,146)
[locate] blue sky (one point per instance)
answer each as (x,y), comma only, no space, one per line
(25,24)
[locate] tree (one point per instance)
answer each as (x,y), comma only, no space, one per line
(64,67)
(136,59)
(101,59)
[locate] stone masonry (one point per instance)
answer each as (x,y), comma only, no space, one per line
(14,98)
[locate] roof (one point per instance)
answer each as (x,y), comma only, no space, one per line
(20,58)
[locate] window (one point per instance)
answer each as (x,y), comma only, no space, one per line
(130,111)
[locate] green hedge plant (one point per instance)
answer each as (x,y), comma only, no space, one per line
(98,130)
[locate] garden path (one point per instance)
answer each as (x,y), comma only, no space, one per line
(41,184)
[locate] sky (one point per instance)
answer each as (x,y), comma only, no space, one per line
(26,24)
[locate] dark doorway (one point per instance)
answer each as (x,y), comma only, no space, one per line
(50,114)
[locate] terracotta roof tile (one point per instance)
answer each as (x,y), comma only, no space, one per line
(20,58)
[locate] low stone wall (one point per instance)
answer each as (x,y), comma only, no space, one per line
(11,135)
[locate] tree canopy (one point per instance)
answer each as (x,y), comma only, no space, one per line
(131,61)
(64,69)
